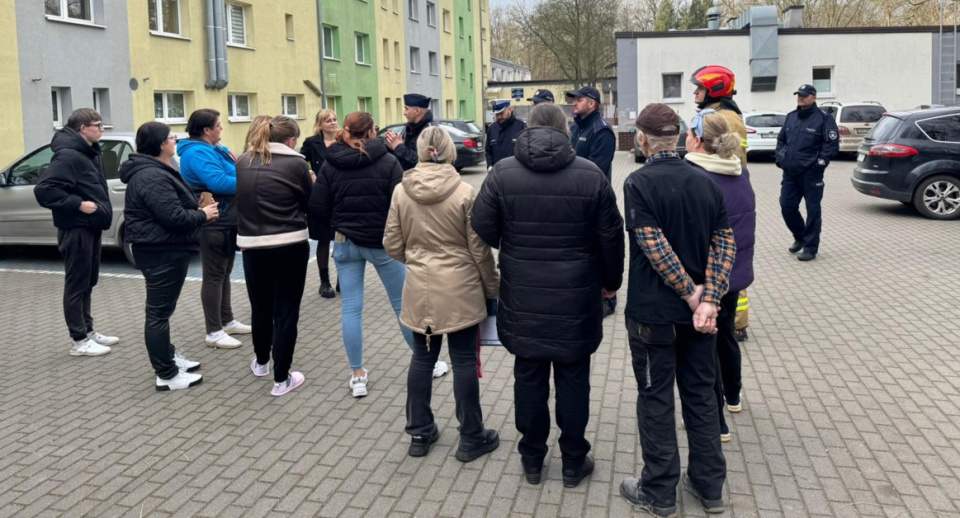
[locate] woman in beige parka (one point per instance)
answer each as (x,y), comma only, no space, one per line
(451,274)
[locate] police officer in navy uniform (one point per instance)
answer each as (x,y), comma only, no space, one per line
(591,135)
(541,96)
(502,135)
(416,108)
(807,142)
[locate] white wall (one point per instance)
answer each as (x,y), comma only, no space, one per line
(893,69)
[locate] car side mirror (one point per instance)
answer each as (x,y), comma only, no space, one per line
(3,178)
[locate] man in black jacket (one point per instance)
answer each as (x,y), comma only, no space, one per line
(502,135)
(554,218)
(416,108)
(74,188)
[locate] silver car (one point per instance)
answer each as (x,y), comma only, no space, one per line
(24,222)
(762,131)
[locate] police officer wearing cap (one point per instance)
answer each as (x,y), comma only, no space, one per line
(502,135)
(416,108)
(591,135)
(541,96)
(807,142)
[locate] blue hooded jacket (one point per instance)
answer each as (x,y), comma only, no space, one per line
(211,168)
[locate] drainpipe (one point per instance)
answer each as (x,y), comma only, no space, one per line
(211,46)
(323,75)
(220,36)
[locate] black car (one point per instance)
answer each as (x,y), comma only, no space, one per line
(681,144)
(469,127)
(914,157)
(469,147)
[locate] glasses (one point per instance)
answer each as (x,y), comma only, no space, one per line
(98,125)
(173,138)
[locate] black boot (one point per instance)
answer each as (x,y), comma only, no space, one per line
(742,335)
(326,291)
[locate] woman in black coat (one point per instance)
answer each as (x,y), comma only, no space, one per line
(162,223)
(314,150)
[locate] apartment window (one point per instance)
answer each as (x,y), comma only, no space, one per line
(289,22)
(446,20)
(70,9)
(823,80)
(386,53)
(431,14)
(434,64)
(291,105)
(435,106)
(463,69)
(57,101)
(170,107)
(396,55)
(331,42)
(460,25)
(363,48)
(463,109)
(471,80)
(449,109)
(483,34)
(412,10)
(101,103)
(671,86)
(236,25)
(469,5)
(164,16)
(387,106)
(399,105)
(363,104)
(238,107)
(448,66)
(333,103)
(470,42)
(415,60)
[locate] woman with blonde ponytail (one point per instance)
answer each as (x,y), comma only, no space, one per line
(273,188)
(713,147)
(314,150)
(451,281)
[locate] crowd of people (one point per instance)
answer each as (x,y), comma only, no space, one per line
(547,205)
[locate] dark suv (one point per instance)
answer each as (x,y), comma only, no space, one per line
(914,157)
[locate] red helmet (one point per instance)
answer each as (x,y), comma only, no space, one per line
(718,81)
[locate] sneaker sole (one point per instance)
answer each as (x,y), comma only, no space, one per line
(715,509)
(359,393)
(725,437)
(736,409)
(533,478)
(108,344)
(168,388)
(332,295)
(288,390)
(235,332)
(574,482)
(77,353)
(215,345)
(470,456)
(644,506)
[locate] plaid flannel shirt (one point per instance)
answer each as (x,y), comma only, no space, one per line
(664,260)
(661,155)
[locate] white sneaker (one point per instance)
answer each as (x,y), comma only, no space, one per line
(359,385)
(259,370)
(439,369)
(221,340)
(294,380)
(89,348)
(236,328)
(184,364)
(103,339)
(181,381)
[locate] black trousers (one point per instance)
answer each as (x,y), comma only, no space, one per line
(218,249)
(691,360)
(807,185)
(466,386)
(728,382)
(531,390)
(275,279)
(164,283)
(80,248)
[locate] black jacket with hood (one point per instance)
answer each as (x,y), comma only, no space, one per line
(75,175)
(160,210)
(353,191)
(554,218)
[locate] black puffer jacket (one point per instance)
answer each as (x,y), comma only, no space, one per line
(160,211)
(353,191)
(75,175)
(554,218)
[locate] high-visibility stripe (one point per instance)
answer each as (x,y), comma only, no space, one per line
(743,307)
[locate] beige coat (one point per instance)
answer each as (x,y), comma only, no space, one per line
(450,270)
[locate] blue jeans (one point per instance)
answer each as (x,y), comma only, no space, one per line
(351,261)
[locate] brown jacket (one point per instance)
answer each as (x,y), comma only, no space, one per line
(450,270)
(735,121)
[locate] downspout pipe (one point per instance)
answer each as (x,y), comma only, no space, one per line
(220,36)
(323,75)
(211,46)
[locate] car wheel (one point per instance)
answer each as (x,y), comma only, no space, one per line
(938,197)
(126,247)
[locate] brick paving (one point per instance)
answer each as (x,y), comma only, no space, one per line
(852,398)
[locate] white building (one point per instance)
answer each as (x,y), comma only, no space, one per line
(895,66)
(507,71)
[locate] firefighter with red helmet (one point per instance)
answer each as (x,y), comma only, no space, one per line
(716,86)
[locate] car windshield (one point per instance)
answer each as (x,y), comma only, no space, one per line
(474,128)
(862,113)
(766,121)
(886,129)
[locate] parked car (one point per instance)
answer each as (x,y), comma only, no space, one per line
(854,121)
(914,157)
(469,127)
(24,222)
(469,148)
(681,144)
(762,131)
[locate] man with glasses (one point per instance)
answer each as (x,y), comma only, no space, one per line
(74,188)
(806,143)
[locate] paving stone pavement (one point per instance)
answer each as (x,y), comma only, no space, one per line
(852,398)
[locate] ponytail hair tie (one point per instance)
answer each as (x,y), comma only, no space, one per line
(435,156)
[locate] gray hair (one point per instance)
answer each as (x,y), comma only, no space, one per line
(665,143)
(549,115)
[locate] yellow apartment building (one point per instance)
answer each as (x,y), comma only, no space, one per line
(448,49)
(392,76)
(11,131)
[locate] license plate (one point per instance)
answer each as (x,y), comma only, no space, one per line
(860,157)
(863,131)
(769,135)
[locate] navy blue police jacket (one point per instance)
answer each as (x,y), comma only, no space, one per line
(808,140)
(593,138)
(501,139)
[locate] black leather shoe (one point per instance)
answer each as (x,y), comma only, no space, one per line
(710,506)
(420,445)
(607,308)
(572,477)
(742,335)
(326,290)
(806,256)
(795,247)
(472,452)
(532,470)
(630,489)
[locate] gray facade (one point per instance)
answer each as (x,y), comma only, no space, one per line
(421,35)
(75,59)
(627,108)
